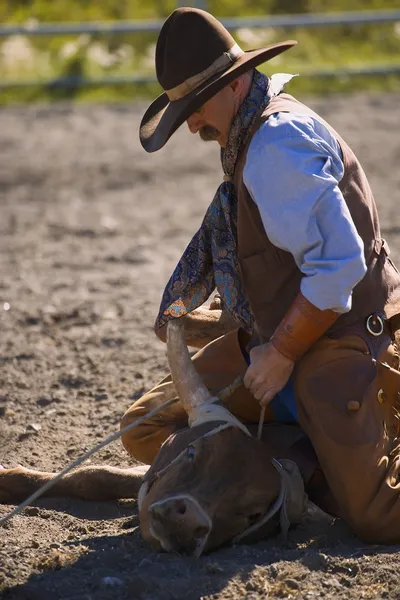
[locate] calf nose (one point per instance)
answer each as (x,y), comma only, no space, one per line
(180,524)
(182,512)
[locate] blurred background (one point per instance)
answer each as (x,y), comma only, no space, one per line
(104,50)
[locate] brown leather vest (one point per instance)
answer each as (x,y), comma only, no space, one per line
(270,275)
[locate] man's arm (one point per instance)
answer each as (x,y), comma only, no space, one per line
(293,169)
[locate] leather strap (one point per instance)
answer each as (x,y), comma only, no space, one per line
(301,327)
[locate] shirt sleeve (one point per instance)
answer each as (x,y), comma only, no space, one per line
(293,167)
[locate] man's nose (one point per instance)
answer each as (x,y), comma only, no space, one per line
(193,123)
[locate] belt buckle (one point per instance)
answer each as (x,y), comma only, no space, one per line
(375,324)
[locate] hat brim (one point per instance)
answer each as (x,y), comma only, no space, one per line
(163,117)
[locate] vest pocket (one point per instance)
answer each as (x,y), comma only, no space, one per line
(338,397)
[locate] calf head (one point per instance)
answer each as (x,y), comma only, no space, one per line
(212,483)
(212,491)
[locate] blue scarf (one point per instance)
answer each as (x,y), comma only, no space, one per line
(210,260)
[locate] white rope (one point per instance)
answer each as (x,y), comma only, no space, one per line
(261,421)
(81,459)
(230,389)
(224,394)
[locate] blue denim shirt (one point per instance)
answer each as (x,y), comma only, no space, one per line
(292,171)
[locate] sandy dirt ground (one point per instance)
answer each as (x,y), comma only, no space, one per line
(91,227)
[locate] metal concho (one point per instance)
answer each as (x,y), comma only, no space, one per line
(375,325)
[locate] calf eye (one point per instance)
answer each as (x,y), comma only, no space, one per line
(191,452)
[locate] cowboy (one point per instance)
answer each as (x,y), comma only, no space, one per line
(292,244)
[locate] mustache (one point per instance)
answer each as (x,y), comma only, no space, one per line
(209,133)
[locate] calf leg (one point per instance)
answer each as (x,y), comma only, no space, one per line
(89,483)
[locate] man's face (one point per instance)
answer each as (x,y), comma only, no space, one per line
(213,120)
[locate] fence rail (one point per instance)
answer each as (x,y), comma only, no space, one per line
(121,27)
(75,82)
(303,20)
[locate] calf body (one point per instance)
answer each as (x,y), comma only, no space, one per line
(208,484)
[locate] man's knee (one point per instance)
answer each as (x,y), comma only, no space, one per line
(374,514)
(133,438)
(376,528)
(143,441)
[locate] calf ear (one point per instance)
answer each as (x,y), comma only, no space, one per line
(295,499)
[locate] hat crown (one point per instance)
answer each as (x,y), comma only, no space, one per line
(189,42)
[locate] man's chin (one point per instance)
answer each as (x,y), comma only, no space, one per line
(209,135)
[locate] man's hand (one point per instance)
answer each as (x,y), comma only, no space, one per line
(268,373)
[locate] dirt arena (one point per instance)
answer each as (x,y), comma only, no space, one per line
(91,227)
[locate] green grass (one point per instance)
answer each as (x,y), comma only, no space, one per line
(24,58)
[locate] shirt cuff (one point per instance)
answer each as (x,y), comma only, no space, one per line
(334,290)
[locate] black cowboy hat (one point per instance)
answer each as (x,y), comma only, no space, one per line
(195,58)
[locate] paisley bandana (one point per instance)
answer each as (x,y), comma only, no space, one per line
(210,260)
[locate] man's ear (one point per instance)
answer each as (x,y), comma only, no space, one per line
(236,85)
(240,86)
